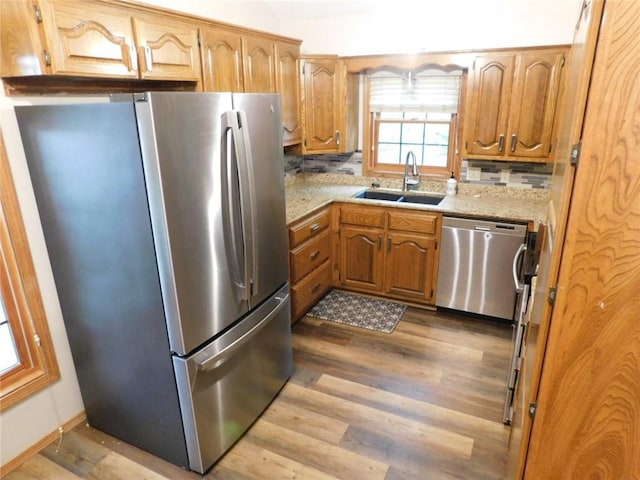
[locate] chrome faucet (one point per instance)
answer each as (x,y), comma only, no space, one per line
(410,182)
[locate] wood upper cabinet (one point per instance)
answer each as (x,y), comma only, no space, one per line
(62,37)
(390,252)
(288,86)
(167,48)
(323,79)
(67,38)
(512,103)
(258,64)
(222,66)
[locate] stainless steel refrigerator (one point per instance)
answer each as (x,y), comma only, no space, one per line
(164,219)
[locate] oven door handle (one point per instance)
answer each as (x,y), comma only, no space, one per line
(519,286)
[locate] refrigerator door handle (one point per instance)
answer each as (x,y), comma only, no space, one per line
(222,356)
(240,131)
(231,175)
(519,286)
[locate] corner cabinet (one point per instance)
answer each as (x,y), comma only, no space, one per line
(93,39)
(389,251)
(512,99)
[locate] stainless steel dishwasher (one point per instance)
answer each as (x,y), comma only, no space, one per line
(478,262)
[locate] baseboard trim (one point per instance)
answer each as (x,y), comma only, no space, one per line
(35,448)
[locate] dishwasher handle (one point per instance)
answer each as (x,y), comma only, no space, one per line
(519,286)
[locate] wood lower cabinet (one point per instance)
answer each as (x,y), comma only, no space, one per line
(512,99)
(361,258)
(389,251)
(310,254)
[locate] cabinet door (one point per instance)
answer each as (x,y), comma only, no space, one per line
(489,96)
(167,48)
(321,105)
(259,64)
(89,40)
(361,257)
(221,60)
(409,266)
(533,104)
(288,86)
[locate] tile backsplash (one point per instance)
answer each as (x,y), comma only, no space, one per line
(508,174)
(474,172)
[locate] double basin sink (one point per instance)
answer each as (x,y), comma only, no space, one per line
(400,197)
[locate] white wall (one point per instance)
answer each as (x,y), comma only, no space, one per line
(402,26)
(248,13)
(365,27)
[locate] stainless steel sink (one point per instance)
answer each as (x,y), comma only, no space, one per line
(399,197)
(375,195)
(424,199)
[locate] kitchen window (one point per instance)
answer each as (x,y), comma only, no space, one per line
(413,112)
(27,358)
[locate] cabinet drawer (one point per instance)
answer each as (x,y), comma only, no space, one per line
(309,256)
(413,222)
(308,291)
(365,216)
(308,228)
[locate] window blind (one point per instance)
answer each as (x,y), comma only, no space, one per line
(426,91)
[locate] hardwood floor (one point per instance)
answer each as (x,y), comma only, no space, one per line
(424,402)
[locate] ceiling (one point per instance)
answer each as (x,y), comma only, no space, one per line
(309,9)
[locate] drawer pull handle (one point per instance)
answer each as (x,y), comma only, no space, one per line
(379,243)
(315,288)
(314,254)
(315,227)
(389,245)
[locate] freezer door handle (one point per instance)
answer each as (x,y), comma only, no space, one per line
(516,258)
(217,359)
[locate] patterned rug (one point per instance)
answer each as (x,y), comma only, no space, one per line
(363,312)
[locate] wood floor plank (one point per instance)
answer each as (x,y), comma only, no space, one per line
(442,417)
(254,462)
(116,467)
(39,467)
(424,402)
(322,456)
(396,365)
(291,415)
(427,436)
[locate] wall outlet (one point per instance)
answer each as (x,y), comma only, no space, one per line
(505,175)
(473,173)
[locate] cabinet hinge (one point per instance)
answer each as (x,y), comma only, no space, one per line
(303,68)
(533,406)
(562,61)
(575,153)
(37,12)
(199,40)
(47,57)
(436,245)
(551,297)
(431,296)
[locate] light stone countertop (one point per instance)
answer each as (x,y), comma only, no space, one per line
(307,192)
